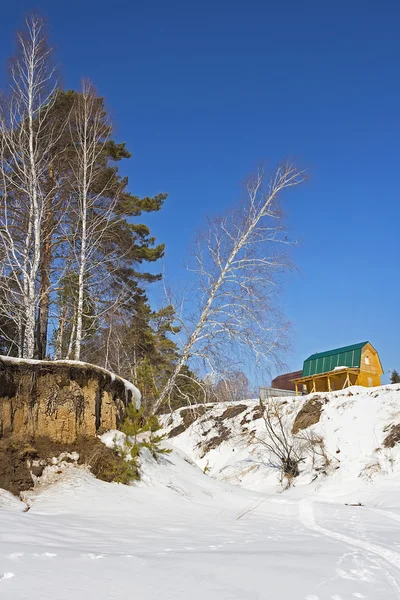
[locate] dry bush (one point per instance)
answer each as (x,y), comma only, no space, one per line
(313,445)
(279,440)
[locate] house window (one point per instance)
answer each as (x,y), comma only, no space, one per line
(366,360)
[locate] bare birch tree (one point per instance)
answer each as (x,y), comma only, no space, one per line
(236,263)
(26,141)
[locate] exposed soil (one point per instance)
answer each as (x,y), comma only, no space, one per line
(308,415)
(189,416)
(232,411)
(257,413)
(393,437)
(16,460)
(57,400)
(222,435)
(177,430)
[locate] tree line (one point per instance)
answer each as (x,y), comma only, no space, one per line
(74,251)
(72,248)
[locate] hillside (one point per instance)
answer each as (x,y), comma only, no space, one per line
(180,533)
(346,441)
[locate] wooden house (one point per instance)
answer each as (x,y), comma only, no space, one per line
(336,369)
(285,381)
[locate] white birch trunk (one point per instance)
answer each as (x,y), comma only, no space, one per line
(25,142)
(36,200)
(83,240)
(92,212)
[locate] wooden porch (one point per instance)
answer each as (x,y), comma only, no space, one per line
(335,380)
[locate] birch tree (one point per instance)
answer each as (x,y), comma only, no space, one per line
(26,142)
(106,246)
(236,263)
(93,212)
(70,245)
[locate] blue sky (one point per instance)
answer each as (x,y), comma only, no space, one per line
(202,92)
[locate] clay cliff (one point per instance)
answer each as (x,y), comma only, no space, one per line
(60,400)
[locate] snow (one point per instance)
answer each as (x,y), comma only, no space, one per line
(113,439)
(129,387)
(181,534)
(353,424)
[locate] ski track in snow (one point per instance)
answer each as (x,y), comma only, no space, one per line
(348,574)
(307,517)
(306,513)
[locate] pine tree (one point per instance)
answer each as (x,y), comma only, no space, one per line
(43,292)
(121,252)
(394,376)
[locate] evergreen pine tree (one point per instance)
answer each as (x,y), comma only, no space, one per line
(127,246)
(394,376)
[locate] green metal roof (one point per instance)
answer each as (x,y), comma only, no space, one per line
(348,356)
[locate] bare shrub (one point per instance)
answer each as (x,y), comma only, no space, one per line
(313,445)
(282,445)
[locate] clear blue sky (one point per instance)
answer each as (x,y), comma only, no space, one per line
(202,92)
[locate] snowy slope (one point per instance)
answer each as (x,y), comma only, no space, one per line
(353,426)
(181,534)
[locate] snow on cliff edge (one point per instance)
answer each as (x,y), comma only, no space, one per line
(355,443)
(129,387)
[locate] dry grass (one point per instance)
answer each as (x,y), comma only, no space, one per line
(189,416)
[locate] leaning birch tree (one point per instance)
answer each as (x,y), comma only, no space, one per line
(236,263)
(27,139)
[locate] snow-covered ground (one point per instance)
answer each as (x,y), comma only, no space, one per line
(181,534)
(353,463)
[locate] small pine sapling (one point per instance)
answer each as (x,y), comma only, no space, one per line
(142,430)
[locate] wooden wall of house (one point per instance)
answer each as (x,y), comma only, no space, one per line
(370,368)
